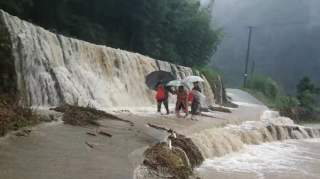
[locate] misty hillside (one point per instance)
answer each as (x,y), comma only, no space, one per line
(285,39)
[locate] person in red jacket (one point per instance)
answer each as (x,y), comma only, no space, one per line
(162,97)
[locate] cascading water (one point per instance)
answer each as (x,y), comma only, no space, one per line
(52,69)
(272,127)
(230,154)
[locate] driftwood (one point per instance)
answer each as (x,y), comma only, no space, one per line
(89,145)
(159,127)
(105,134)
(23,133)
(91,133)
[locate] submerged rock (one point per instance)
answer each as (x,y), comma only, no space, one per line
(176,161)
(164,161)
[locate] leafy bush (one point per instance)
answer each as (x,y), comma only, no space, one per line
(270,93)
(210,73)
(265,85)
(286,102)
(301,108)
(13,116)
(307,93)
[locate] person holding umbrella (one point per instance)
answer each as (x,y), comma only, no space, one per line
(182,96)
(162,96)
(182,101)
(195,94)
(196,101)
(155,81)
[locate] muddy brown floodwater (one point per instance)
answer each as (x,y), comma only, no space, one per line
(293,159)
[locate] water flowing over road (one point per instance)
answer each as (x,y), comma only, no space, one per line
(278,160)
(55,150)
(290,159)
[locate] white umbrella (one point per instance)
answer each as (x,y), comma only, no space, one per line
(192,79)
(177,83)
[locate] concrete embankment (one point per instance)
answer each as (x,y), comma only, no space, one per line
(49,69)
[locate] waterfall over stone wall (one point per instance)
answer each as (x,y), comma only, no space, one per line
(52,69)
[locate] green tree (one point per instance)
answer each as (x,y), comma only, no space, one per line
(177,31)
(265,85)
(307,93)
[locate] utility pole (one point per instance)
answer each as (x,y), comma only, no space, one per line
(253,66)
(245,75)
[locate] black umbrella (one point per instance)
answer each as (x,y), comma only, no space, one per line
(156,77)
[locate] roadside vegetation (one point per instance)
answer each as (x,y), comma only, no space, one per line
(82,116)
(178,31)
(215,80)
(302,107)
(13,116)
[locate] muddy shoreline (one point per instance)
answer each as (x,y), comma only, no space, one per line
(55,150)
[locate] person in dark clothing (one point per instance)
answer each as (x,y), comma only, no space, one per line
(195,103)
(182,101)
(196,86)
(162,97)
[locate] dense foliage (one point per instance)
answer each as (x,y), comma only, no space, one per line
(173,30)
(270,92)
(302,107)
(307,93)
(265,85)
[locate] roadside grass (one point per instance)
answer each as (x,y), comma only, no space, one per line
(271,94)
(14,117)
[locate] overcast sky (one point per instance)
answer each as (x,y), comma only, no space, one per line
(285,39)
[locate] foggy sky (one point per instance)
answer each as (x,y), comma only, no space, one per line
(285,39)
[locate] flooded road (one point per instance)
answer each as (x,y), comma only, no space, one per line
(292,159)
(58,151)
(61,151)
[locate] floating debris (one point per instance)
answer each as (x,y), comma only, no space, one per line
(82,116)
(89,145)
(91,134)
(105,134)
(23,133)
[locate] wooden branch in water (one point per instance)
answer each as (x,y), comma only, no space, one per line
(105,134)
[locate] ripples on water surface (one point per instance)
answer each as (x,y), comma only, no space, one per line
(291,159)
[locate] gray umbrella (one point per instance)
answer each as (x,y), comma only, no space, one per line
(156,77)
